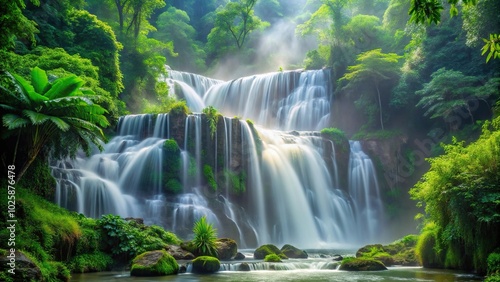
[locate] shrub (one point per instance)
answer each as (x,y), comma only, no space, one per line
(126,239)
(179,108)
(97,261)
(213,117)
(493,264)
(205,237)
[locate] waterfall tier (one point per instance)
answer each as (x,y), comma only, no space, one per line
(256,185)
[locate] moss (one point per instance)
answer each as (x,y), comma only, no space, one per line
(154,263)
(272,258)
(292,252)
(179,108)
(39,178)
(337,136)
(206,264)
(428,250)
(264,250)
(237,181)
(209,177)
(361,264)
(98,261)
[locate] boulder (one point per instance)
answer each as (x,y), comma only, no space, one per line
(293,252)
(264,250)
(25,268)
(361,264)
(205,265)
(154,263)
(226,248)
(244,267)
(239,256)
(179,253)
(337,258)
(182,269)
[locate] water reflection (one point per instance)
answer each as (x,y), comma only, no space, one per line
(393,274)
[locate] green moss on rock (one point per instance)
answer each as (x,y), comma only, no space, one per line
(272,258)
(154,263)
(361,264)
(264,250)
(293,252)
(206,265)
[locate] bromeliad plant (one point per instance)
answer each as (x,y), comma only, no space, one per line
(205,236)
(58,115)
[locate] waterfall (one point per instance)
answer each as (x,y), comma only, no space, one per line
(272,184)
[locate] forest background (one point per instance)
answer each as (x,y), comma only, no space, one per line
(424,82)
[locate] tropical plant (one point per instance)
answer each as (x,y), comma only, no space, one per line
(59,114)
(376,69)
(205,237)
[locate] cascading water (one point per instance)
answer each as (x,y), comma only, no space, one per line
(254,184)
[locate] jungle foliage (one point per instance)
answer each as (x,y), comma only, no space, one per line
(396,72)
(461,196)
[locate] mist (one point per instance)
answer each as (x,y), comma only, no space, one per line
(277,47)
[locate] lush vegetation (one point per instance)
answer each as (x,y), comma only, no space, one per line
(461,196)
(396,74)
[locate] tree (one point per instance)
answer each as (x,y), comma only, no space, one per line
(58,115)
(429,11)
(14,25)
(173,26)
(449,91)
(332,47)
(373,68)
(233,23)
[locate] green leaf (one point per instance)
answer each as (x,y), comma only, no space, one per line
(65,86)
(28,90)
(13,121)
(39,80)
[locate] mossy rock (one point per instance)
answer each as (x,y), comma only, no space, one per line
(272,258)
(293,252)
(264,250)
(206,265)
(361,264)
(154,263)
(26,269)
(226,248)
